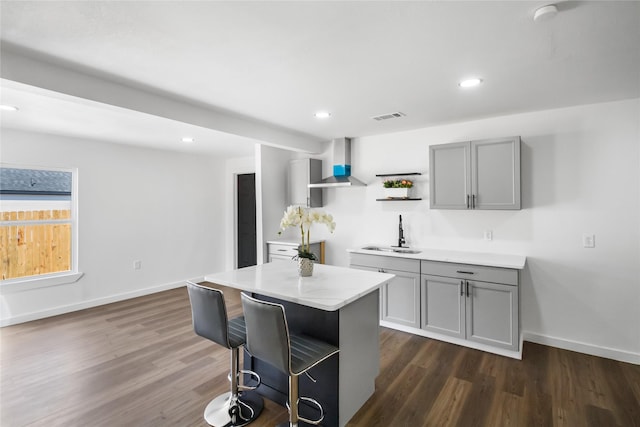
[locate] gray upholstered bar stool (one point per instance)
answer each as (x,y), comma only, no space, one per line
(268,339)
(240,405)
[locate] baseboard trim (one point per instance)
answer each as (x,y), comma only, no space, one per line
(514,354)
(36,315)
(580,347)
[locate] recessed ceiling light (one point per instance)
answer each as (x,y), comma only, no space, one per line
(322,114)
(8,108)
(470,82)
(188,139)
(545,12)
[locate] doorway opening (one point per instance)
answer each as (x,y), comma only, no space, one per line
(246,220)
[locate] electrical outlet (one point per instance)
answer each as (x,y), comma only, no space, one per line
(589,240)
(488,235)
(137,264)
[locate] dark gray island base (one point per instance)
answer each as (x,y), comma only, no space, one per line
(316,323)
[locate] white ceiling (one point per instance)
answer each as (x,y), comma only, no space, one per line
(279,62)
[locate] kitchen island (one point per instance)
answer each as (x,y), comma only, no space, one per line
(337,305)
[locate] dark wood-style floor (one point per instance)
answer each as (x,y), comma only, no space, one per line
(138,363)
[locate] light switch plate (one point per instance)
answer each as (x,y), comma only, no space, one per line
(589,240)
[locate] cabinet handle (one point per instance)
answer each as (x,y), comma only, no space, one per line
(464,272)
(467,201)
(461,287)
(282,250)
(468,293)
(473,201)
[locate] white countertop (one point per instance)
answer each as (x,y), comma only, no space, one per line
(292,242)
(330,288)
(447,255)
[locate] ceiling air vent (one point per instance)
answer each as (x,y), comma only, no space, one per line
(388,116)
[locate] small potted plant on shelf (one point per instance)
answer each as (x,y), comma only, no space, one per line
(297,216)
(397,188)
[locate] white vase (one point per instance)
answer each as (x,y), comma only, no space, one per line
(397,193)
(305,267)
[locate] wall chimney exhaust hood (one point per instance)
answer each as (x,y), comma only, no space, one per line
(341,167)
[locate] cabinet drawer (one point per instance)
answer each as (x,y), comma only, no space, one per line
(386,262)
(471,272)
(278,249)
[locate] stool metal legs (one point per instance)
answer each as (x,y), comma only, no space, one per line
(293,405)
(235,408)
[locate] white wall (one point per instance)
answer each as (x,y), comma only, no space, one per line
(159,207)
(580,174)
(271,198)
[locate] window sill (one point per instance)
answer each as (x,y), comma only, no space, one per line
(44,281)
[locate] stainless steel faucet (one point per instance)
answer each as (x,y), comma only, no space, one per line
(401,240)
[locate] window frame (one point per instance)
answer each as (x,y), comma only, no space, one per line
(72,275)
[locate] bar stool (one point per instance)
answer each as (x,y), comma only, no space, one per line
(240,405)
(268,339)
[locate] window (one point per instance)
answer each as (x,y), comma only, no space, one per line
(38,231)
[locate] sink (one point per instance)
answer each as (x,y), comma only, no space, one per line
(387,249)
(406,251)
(378,248)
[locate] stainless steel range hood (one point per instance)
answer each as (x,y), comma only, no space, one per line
(341,167)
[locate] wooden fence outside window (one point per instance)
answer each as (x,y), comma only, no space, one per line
(33,249)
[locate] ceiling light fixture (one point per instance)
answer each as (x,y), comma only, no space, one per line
(188,139)
(470,82)
(322,115)
(545,12)
(8,108)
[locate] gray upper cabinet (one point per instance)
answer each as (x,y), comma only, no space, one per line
(303,172)
(481,174)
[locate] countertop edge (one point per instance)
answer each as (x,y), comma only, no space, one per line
(486,259)
(292,242)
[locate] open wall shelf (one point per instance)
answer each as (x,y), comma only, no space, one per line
(398,174)
(388,199)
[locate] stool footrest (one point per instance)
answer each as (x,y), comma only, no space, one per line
(255,376)
(317,404)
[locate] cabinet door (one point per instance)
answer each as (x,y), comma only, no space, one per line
(303,172)
(450,181)
(376,269)
(288,252)
(401,299)
(280,258)
(443,305)
(495,173)
(492,314)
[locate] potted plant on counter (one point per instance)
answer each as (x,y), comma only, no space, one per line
(397,188)
(297,216)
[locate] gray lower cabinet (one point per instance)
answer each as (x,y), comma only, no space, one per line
(400,298)
(475,303)
(287,251)
(482,174)
(443,306)
(492,314)
(471,303)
